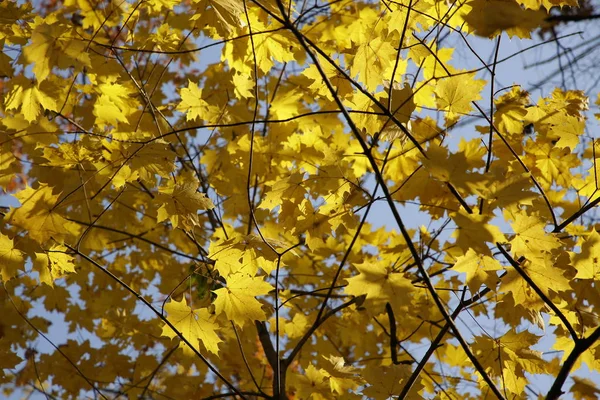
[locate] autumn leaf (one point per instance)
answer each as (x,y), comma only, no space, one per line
(31,99)
(379,283)
(38,215)
(53,264)
(195,326)
(454,94)
(191,102)
(304,194)
(587,262)
(479,269)
(181,203)
(491,17)
(11,258)
(238,299)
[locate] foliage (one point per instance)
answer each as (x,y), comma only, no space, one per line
(204,229)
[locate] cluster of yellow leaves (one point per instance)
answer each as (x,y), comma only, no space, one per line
(233,200)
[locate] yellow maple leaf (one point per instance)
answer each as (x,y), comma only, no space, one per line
(114,103)
(342,377)
(379,283)
(238,299)
(531,239)
(53,264)
(192,103)
(30,98)
(371,60)
(38,216)
(289,189)
(386,382)
(181,203)
(454,94)
(510,111)
(510,355)
(547,4)
(491,17)
(340,83)
(286,104)
(11,259)
(473,232)
(584,389)
(587,261)
(312,383)
(244,253)
(51,45)
(480,269)
(194,325)
(244,86)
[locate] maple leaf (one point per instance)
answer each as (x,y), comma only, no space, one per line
(30,98)
(491,17)
(238,299)
(286,106)
(244,254)
(51,45)
(584,389)
(192,103)
(385,382)
(379,283)
(473,231)
(510,111)
(290,189)
(181,203)
(341,377)
(312,383)
(587,262)
(53,264)
(480,269)
(11,259)
(37,214)
(371,60)
(339,82)
(530,237)
(454,94)
(195,326)
(114,103)
(514,352)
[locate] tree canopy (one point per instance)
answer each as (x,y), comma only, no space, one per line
(196,187)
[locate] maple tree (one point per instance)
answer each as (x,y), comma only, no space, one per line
(205,229)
